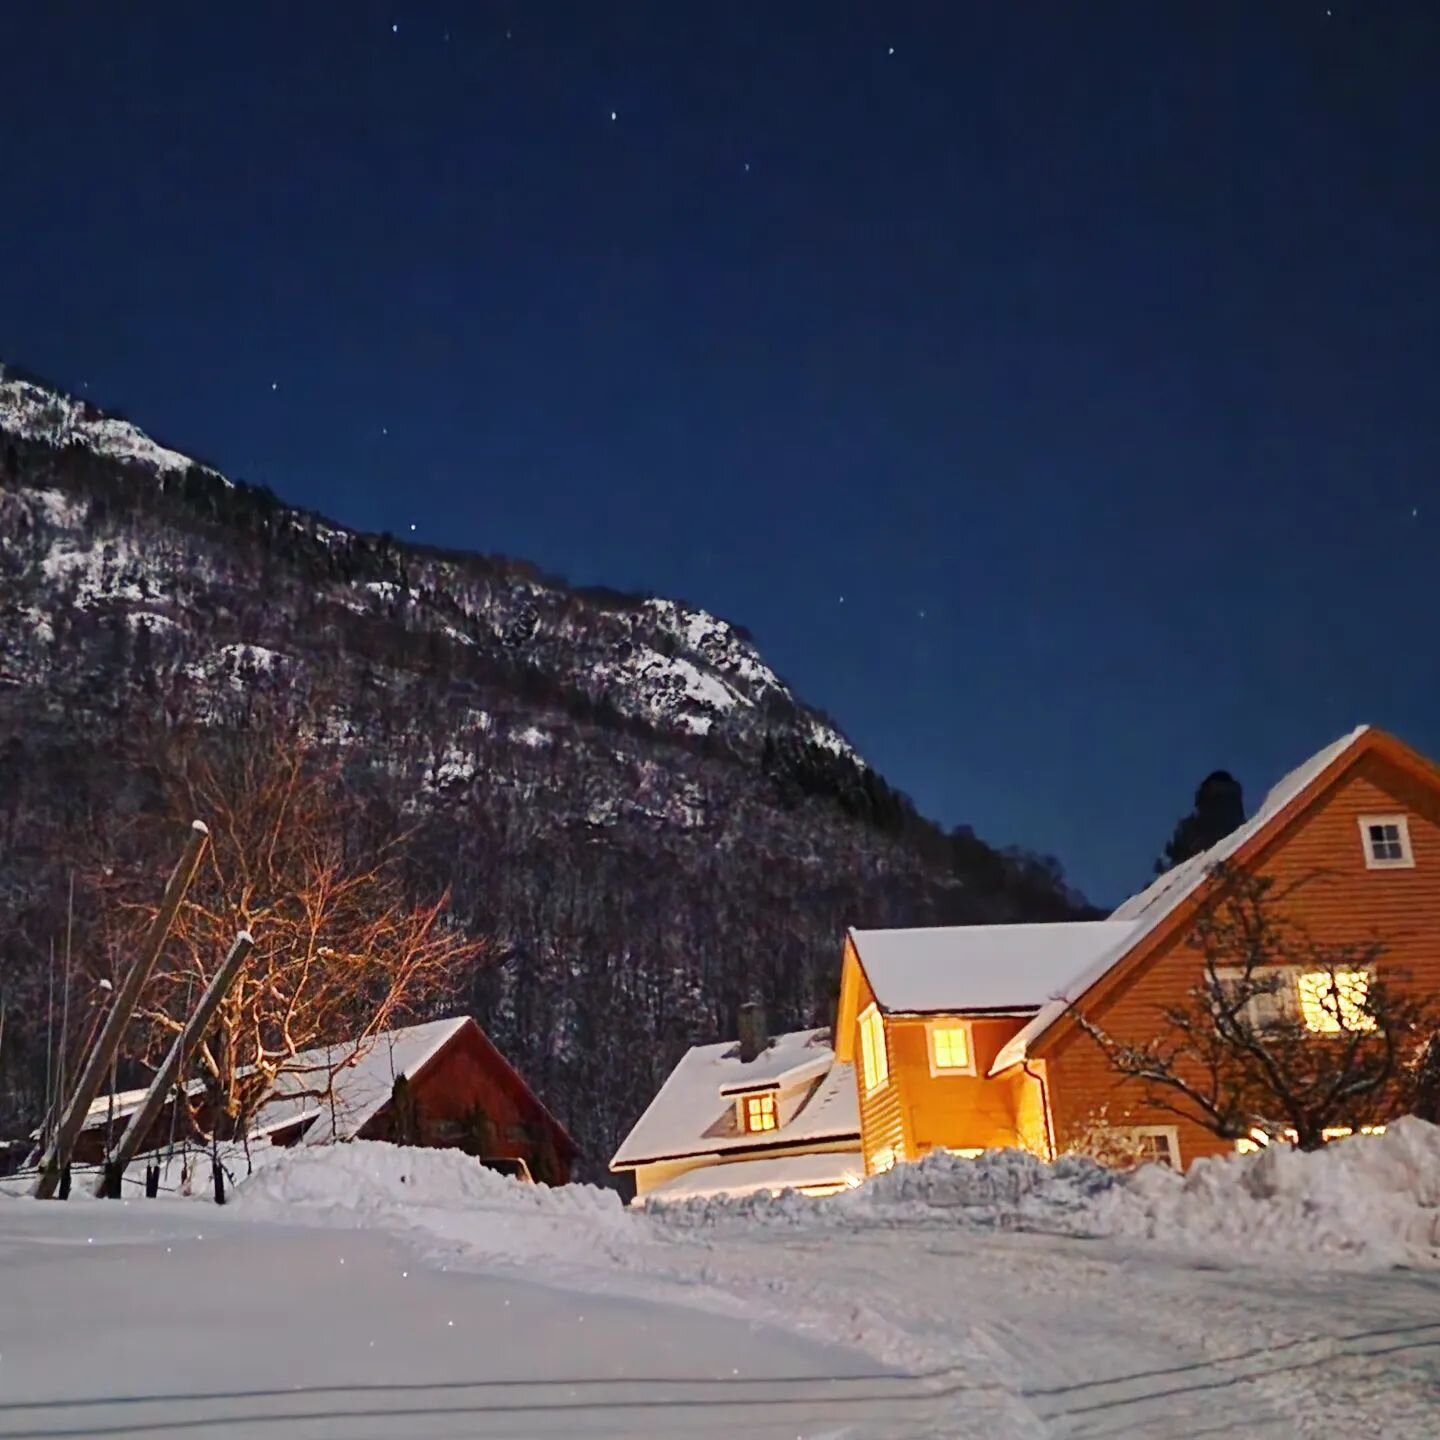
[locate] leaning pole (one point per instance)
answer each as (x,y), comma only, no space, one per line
(184,1045)
(56,1158)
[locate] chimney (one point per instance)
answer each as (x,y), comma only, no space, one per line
(753,1038)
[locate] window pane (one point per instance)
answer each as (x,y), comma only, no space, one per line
(1334,1002)
(951,1047)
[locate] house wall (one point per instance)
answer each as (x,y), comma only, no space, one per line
(882,1114)
(1341,900)
(447,1090)
(957,1112)
(647,1177)
(915,1111)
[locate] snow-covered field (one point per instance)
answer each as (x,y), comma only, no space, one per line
(1278,1295)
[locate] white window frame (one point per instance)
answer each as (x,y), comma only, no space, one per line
(1286,997)
(940,1071)
(1406,858)
(1171,1133)
(874,1060)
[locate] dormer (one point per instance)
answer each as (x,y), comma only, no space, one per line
(776,1085)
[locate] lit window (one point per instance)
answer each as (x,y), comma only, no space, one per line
(950,1048)
(1258,1139)
(1387,842)
(873,1060)
(1334,1002)
(882,1160)
(759,1112)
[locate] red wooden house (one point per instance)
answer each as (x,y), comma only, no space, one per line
(460,1092)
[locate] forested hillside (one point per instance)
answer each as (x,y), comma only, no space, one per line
(633,812)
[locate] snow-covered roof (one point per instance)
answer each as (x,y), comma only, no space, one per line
(361,1086)
(692,1114)
(772,1174)
(999,969)
(1146,910)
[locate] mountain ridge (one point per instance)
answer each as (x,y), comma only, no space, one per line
(716,833)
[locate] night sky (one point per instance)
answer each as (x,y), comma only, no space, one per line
(1050,387)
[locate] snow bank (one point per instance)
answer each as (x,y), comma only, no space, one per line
(444,1199)
(1372,1199)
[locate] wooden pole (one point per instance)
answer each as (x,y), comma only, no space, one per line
(56,1158)
(169,1072)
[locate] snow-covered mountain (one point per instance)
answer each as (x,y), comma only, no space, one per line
(621,794)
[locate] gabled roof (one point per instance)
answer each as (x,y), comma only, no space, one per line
(693,1113)
(1151,907)
(360,1087)
(980,969)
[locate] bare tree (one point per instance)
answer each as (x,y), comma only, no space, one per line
(1283,1033)
(343,947)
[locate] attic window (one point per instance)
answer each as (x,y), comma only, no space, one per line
(1387,842)
(950,1052)
(759,1113)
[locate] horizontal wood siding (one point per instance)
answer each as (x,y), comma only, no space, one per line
(461,1078)
(946,1110)
(1342,900)
(882,1115)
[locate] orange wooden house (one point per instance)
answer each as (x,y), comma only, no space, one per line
(963,1038)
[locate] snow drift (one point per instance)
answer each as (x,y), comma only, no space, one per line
(1368,1200)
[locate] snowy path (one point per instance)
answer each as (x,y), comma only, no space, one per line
(124,1321)
(1057,1337)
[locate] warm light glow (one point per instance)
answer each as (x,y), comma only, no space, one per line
(874,1061)
(759,1112)
(1333,1002)
(950,1047)
(882,1160)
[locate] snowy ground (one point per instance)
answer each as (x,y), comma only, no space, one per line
(1280,1296)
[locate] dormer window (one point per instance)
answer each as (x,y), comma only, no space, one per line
(758,1113)
(1387,842)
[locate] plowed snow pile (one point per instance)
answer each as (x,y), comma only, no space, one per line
(1370,1200)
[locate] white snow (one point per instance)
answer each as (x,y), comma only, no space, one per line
(999,968)
(1257,1296)
(40,414)
(691,1114)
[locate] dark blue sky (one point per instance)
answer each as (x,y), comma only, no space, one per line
(1089,351)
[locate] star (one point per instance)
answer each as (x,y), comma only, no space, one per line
(274,385)
(891,50)
(613,115)
(842,599)
(747,167)
(412,524)
(384,429)
(394,29)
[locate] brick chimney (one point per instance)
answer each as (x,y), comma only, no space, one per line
(754,1039)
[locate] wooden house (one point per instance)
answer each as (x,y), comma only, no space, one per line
(460,1092)
(964,1038)
(760,1114)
